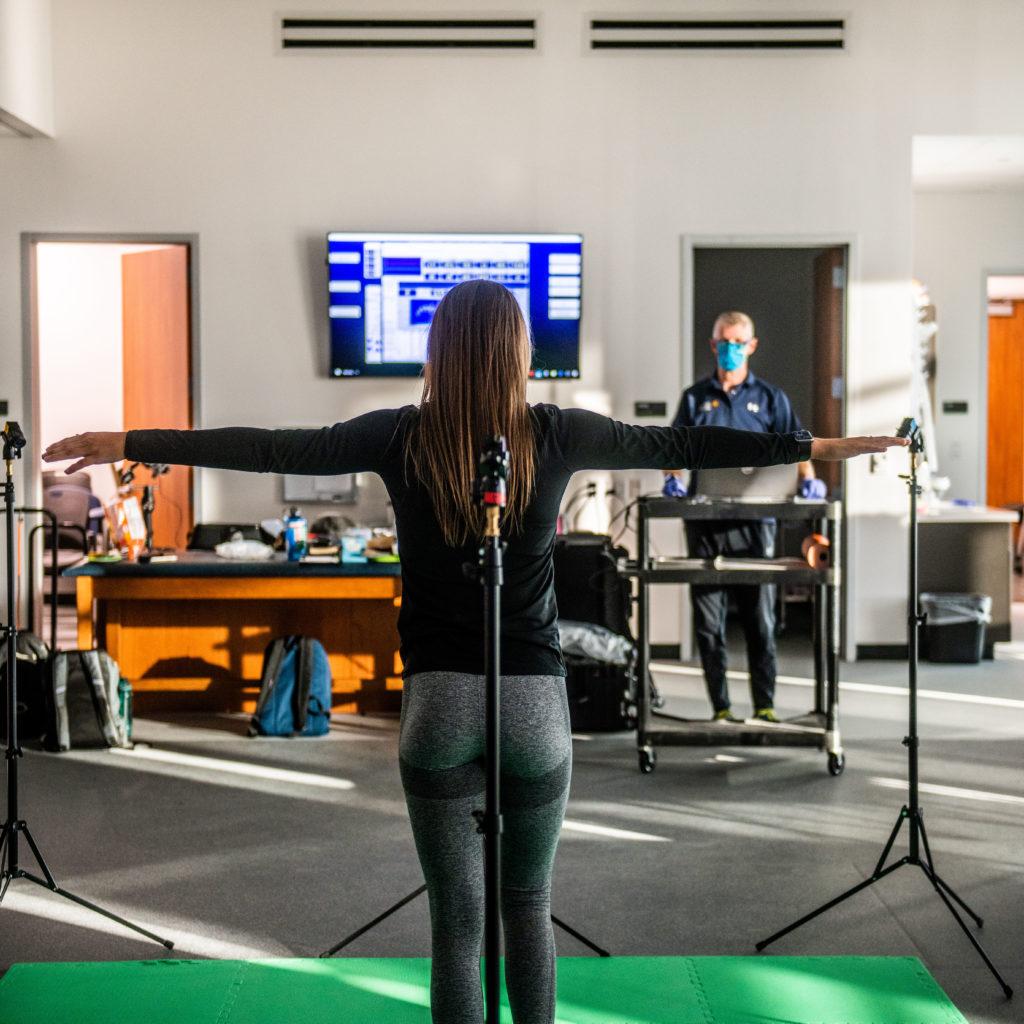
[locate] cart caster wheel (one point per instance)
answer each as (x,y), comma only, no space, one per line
(836,764)
(648,759)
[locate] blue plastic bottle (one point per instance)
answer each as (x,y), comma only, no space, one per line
(295,535)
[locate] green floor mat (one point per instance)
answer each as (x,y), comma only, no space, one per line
(591,990)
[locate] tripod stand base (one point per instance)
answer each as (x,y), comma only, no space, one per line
(416,892)
(9,872)
(946,893)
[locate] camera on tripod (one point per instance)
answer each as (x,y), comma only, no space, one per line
(14,440)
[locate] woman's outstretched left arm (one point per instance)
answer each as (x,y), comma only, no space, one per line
(354,446)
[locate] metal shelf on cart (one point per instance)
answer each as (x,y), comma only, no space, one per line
(818,728)
(722,508)
(728,571)
(670,730)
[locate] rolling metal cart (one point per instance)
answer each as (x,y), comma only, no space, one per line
(819,727)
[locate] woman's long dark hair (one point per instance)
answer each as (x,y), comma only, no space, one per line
(478,363)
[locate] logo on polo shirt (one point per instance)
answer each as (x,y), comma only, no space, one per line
(753,407)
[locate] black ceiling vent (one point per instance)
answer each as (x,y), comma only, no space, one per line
(352,32)
(709,34)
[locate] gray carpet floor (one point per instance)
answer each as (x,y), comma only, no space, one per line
(237,847)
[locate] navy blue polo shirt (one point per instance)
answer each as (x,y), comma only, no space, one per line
(753,405)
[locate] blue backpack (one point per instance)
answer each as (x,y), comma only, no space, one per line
(295,689)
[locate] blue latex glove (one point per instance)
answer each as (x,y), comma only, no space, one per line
(673,488)
(813,488)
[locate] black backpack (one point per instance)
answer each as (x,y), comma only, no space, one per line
(33,686)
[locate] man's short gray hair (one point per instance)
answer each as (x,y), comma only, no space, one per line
(731,318)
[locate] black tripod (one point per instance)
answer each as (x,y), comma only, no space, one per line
(911,811)
(490,490)
(10,867)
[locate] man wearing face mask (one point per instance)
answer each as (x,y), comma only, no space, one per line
(734,397)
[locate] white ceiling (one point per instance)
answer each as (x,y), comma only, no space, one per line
(958,162)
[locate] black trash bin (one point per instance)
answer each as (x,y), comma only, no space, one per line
(954,628)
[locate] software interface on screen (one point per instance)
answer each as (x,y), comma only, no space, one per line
(384,288)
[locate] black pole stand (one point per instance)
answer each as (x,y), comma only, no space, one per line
(10,867)
(911,812)
(492,484)
(490,488)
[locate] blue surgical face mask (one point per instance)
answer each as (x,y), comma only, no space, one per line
(731,354)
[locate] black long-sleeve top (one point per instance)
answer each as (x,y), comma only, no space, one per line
(441,618)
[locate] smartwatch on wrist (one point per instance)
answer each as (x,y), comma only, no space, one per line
(803,445)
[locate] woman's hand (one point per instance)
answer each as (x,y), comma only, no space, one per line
(91,449)
(835,449)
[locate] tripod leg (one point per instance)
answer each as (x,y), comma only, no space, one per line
(582,938)
(38,856)
(1007,991)
(3,845)
(6,880)
(949,892)
(892,839)
(166,943)
(828,906)
(377,920)
(934,875)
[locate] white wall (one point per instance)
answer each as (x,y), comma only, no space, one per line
(959,237)
(26,67)
(182,117)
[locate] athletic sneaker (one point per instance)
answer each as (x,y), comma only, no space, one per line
(725,715)
(766,715)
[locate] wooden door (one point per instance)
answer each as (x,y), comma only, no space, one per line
(829,308)
(1005,477)
(157,372)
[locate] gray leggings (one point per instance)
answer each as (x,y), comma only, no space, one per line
(441,750)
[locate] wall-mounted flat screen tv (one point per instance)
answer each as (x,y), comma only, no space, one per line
(383,288)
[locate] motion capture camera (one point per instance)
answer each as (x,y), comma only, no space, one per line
(13,439)
(911,429)
(492,473)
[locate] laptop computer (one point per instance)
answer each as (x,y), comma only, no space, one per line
(764,483)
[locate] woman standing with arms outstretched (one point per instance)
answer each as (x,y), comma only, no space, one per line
(478,362)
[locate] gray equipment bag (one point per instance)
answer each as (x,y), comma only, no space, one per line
(86,703)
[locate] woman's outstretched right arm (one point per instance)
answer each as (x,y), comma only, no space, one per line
(591,441)
(354,446)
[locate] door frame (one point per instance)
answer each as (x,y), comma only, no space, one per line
(687,328)
(983,378)
(30,334)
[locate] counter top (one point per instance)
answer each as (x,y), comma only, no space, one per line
(946,513)
(206,563)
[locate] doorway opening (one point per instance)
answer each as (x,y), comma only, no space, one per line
(796,296)
(1004,471)
(110,346)
(795,291)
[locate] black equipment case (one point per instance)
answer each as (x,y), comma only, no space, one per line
(589,588)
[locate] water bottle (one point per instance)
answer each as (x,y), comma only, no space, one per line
(295,534)
(124,697)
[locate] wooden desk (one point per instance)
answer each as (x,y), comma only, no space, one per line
(190,634)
